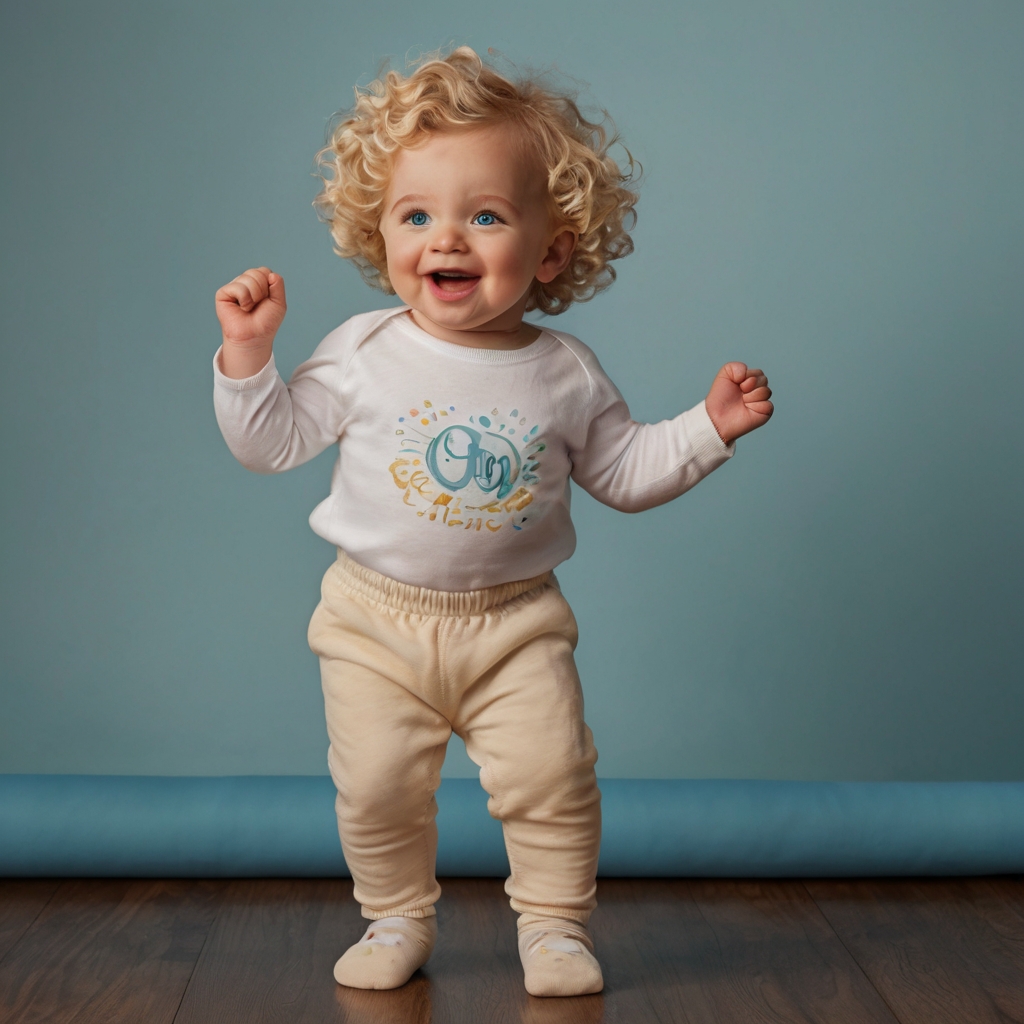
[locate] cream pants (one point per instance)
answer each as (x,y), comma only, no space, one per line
(402,668)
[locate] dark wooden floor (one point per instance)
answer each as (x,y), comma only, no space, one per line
(220,952)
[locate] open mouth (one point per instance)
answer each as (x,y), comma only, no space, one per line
(452,284)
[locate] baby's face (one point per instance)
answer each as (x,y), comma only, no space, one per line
(467,226)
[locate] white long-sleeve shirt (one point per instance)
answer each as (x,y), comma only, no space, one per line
(454,462)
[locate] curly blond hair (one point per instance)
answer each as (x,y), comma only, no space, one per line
(459,92)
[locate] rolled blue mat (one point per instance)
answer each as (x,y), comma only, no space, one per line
(252,826)
(735,828)
(168,827)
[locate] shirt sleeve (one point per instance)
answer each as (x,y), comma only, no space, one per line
(635,466)
(270,426)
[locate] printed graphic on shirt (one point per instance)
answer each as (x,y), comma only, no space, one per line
(469,472)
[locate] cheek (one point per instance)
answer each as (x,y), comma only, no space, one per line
(402,258)
(512,261)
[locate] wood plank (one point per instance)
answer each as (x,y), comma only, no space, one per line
(941,951)
(700,951)
(108,950)
(21,902)
(271,953)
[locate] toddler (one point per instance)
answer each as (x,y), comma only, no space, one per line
(459,425)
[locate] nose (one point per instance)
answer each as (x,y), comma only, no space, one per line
(447,238)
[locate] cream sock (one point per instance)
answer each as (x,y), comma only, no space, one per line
(557,957)
(392,949)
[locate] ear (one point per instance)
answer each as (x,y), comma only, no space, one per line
(556,259)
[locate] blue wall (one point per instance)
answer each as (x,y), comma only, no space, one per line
(834,192)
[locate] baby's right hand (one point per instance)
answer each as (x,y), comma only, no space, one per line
(250,308)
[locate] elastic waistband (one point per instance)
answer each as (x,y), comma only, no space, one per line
(423,601)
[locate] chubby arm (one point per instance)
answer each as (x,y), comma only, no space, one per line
(268,426)
(635,466)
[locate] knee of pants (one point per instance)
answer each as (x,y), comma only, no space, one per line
(545,788)
(372,791)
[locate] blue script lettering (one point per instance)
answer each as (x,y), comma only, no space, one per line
(489,460)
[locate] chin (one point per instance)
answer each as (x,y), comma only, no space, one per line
(453,318)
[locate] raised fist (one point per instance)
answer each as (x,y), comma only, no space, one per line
(251,307)
(738,401)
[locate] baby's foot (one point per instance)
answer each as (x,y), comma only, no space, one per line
(557,957)
(392,949)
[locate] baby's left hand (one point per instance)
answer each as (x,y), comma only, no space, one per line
(738,401)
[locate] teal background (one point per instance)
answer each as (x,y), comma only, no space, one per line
(833,191)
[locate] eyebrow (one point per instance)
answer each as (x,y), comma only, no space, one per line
(413,198)
(406,199)
(500,199)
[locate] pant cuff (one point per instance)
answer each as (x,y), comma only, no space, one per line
(377,915)
(567,913)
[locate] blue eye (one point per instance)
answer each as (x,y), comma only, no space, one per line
(419,218)
(485,219)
